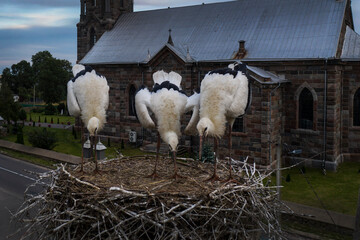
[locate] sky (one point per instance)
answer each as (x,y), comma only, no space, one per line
(30,26)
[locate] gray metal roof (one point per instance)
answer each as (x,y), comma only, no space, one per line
(263,76)
(351,47)
(272,29)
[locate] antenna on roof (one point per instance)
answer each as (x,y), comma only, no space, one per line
(188,57)
(148,55)
(170,41)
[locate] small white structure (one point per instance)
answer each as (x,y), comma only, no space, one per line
(87,149)
(100,151)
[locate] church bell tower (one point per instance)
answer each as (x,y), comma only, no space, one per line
(96,17)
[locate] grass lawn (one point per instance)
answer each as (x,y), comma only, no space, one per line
(29,158)
(66,141)
(69,145)
(337,190)
(62,119)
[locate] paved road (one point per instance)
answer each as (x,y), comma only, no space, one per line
(13,181)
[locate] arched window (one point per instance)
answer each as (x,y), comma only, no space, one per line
(132,92)
(92,37)
(356,108)
(238,125)
(306,109)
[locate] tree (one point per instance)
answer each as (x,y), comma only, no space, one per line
(19,78)
(22,115)
(9,109)
(52,75)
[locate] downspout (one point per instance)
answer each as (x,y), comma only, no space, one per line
(142,84)
(325,118)
(270,125)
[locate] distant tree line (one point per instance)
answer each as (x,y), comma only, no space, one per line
(47,74)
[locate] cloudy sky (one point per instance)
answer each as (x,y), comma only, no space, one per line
(30,26)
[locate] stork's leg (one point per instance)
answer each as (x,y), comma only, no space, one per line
(176,176)
(230,178)
(82,148)
(154,174)
(215,177)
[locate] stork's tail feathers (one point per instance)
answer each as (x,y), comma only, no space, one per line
(175,79)
(77,68)
(160,76)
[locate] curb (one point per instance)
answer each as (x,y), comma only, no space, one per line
(61,157)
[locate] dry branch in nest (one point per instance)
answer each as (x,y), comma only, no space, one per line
(122,203)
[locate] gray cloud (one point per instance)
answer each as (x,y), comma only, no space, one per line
(43,3)
(17,45)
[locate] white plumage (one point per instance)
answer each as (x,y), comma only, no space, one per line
(224,95)
(88,97)
(167,101)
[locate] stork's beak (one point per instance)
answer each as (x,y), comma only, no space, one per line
(200,146)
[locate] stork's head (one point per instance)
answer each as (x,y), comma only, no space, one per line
(171,138)
(205,126)
(93,125)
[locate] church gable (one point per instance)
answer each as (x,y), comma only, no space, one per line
(166,59)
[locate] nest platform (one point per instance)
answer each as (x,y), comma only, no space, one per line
(121,202)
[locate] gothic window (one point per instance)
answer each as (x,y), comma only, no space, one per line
(238,125)
(122,3)
(356,109)
(132,92)
(306,109)
(92,37)
(93,2)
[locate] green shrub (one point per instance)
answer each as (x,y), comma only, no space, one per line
(41,138)
(20,136)
(22,115)
(207,153)
(50,109)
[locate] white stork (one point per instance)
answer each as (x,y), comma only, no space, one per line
(88,97)
(167,101)
(224,96)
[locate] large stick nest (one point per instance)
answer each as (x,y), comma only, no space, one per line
(122,203)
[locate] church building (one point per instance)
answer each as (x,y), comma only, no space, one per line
(303,59)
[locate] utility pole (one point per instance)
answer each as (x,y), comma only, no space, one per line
(34,96)
(357,221)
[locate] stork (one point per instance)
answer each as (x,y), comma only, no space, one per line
(224,96)
(167,101)
(88,98)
